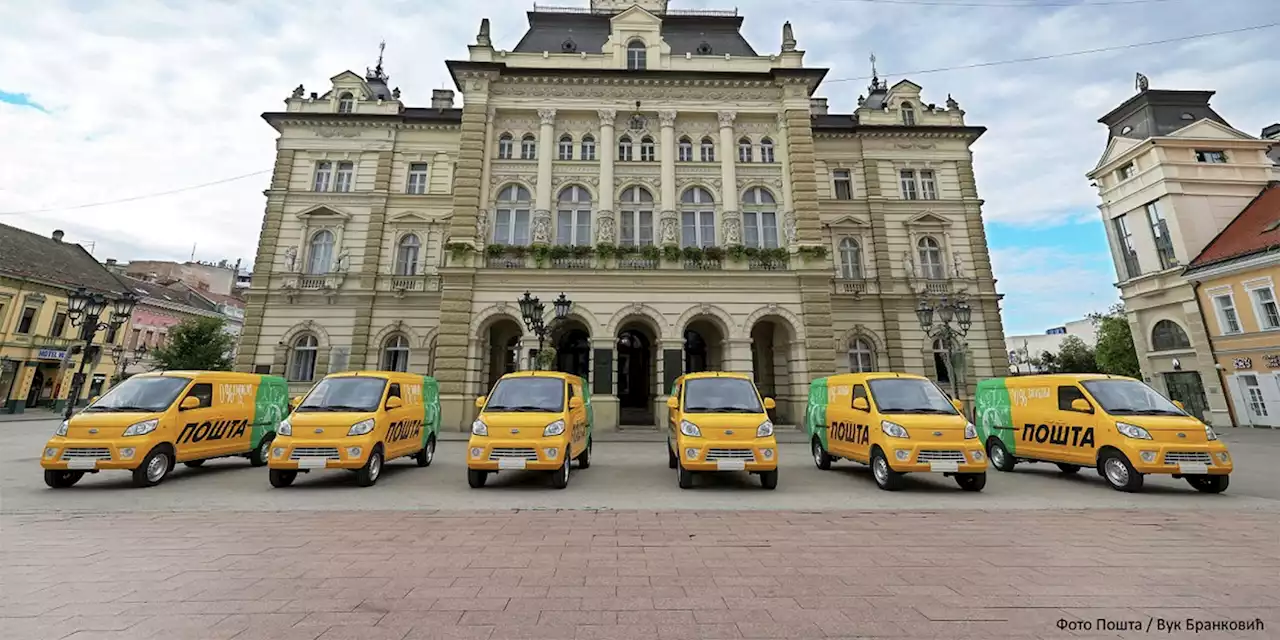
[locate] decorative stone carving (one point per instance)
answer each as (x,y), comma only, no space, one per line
(908,265)
(336,132)
(607,116)
(547,116)
(670,224)
(605,231)
(789,228)
(395,93)
(731,228)
(667,118)
(788,37)
(726,118)
(298,91)
(951,103)
(482,225)
(290,259)
(958,265)
(482,38)
(343,261)
(542,226)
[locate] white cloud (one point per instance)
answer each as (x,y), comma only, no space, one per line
(1047,287)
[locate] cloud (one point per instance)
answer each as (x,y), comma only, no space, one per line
(1045,287)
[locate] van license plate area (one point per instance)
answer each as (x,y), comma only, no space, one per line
(1193,468)
(511,463)
(731,465)
(88,463)
(312,463)
(944,467)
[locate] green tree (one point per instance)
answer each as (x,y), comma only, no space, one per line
(1074,356)
(1115,353)
(196,344)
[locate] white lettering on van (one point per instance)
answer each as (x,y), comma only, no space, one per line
(234,393)
(1023,397)
(412,394)
(842,391)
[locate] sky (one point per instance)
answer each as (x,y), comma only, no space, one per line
(113,100)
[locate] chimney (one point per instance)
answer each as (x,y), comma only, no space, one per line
(1272,132)
(817,106)
(57,235)
(442,99)
(111,262)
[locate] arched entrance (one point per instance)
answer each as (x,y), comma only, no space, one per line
(637,372)
(502,351)
(703,346)
(37,384)
(573,349)
(772,343)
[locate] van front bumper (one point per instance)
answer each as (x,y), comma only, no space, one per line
(1171,458)
(909,457)
(536,454)
(62,454)
(351,452)
(728,455)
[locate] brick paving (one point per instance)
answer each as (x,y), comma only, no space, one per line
(585,574)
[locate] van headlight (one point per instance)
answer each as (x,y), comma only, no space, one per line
(361,428)
(1209,433)
(690,429)
(62,429)
(1132,431)
(894,429)
(285,428)
(764,430)
(141,428)
(970,431)
(479,428)
(554,429)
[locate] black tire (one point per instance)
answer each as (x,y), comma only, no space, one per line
(281,478)
(971,481)
(886,478)
(672,459)
(155,467)
(684,477)
(769,479)
(258,457)
(1202,483)
(62,479)
(1000,457)
(368,475)
(821,459)
(1119,473)
(476,478)
(584,458)
(194,464)
(1069,468)
(428,453)
(560,477)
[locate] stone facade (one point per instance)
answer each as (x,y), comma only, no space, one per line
(701,212)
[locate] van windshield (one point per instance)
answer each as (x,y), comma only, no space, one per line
(527,394)
(721,395)
(348,394)
(1130,398)
(141,394)
(910,395)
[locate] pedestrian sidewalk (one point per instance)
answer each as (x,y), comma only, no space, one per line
(34,415)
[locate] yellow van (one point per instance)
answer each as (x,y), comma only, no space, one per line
(897,423)
(1117,425)
(153,420)
(717,421)
(537,420)
(358,421)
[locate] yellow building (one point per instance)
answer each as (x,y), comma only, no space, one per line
(40,349)
(1235,282)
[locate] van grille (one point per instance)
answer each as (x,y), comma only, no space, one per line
(513,452)
(1175,457)
(940,456)
(731,454)
(330,453)
(97,453)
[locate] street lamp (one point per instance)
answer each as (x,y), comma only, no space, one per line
(954,316)
(532,310)
(118,352)
(84,310)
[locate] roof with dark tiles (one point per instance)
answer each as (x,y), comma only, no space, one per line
(31,256)
(548,31)
(1256,230)
(1159,112)
(175,293)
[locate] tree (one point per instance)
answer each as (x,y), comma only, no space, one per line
(1074,356)
(196,344)
(1115,353)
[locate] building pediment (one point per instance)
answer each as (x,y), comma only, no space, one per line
(848,222)
(1116,148)
(322,211)
(1209,129)
(928,218)
(411,217)
(635,17)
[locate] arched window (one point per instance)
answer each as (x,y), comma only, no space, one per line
(573,220)
(1168,335)
(698,216)
(744,150)
(320,252)
(685,150)
(346,102)
(637,55)
(647,151)
(528,147)
(302,365)
(588,147)
(850,259)
(759,219)
(407,255)
(908,114)
(940,362)
(766,150)
(930,258)
(395,353)
(635,217)
(511,216)
(506,147)
(624,149)
(708,150)
(862,357)
(564,150)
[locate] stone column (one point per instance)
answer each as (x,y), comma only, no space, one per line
(788,201)
(730,214)
(265,263)
(606,146)
(668,219)
(486,171)
(737,356)
(804,184)
(542,199)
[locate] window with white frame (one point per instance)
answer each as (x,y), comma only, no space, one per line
(766,150)
(759,219)
(564,150)
(418,174)
(573,218)
(648,152)
(842,179)
(928,185)
(908,114)
(636,55)
(395,353)
(1128,254)
(744,150)
(907,179)
(930,258)
(407,253)
(624,149)
(1160,232)
(862,357)
(698,218)
(344,177)
(588,151)
(635,217)
(684,150)
(346,102)
(528,147)
(320,252)
(1264,307)
(511,216)
(708,150)
(302,365)
(1211,157)
(506,147)
(1228,319)
(850,259)
(324,176)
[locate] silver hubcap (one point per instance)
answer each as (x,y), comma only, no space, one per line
(997,455)
(431,450)
(565,472)
(817,454)
(375,466)
(158,466)
(881,469)
(1116,472)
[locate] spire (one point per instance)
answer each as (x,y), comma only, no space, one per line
(377,73)
(788,37)
(482,38)
(875,75)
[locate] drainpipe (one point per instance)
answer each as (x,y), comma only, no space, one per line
(1222,380)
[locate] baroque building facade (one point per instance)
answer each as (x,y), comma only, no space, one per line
(695,201)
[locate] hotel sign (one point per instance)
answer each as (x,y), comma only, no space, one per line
(51,354)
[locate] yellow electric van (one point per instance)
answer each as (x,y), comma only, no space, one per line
(1117,425)
(151,421)
(897,423)
(534,420)
(717,421)
(358,421)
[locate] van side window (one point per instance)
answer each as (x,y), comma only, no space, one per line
(571,390)
(1068,394)
(394,391)
(203,392)
(859,391)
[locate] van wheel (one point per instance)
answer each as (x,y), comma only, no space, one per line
(1202,483)
(820,457)
(1119,473)
(1068,468)
(584,458)
(672,459)
(65,479)
(368,475)
(427,454)
(154,468)
(476,478)
(769,479)
(971,481)
(194,464)
(258,457)
(886,477)
(1000,457)
(281,478)
(684,477)
(560,477)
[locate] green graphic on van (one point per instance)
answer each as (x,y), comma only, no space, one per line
(815,413)
(994,413)
(270,406)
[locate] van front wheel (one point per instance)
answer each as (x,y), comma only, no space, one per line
(64,479)
(672,459)
(684,477)
(560,477)
(1119,473)
(281,478)
(584,458)
(886,477)
(769,479)
(368,475)
(1000,457)
(971,481)
(154,468)
(1209,484)
(476,478)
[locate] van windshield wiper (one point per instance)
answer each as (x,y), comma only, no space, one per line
(1147,412)
(120,409)
(338,408)
(942,412)
(522,408)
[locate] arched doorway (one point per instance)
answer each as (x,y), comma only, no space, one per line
(772,341)
(573,349)
(703,346)
(502,351)
(37,384)
(636,374)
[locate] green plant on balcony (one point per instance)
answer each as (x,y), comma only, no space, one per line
(817,252)
(776,255)
(582,251)
(650,252)
(713,254)
(496,250)
(606,250)
(626,251)
(541,254)
(738,253)
(692,254)
(560,252)
(672,253)
(459,250)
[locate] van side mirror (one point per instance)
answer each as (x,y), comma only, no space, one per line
(673,402)
(770,404)
(189,402)
(861,404)
(1081,405)
(575,403)
(95,399)
(959,405)
(1179,405)
(394,403)
(294,402)
(480,402)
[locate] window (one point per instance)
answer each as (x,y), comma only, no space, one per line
(1228,320)
(1160,231)
(1128,254)
(1211,157)
(1126,172)
(907,178)
(744,150)
(1167,335)
(202,392)
(908,114)
(395,354)
(343,178)
(135,340)
(407,255)
(393,391)
(417,178)
(324,176)
(636,217)
(862,358)
(940,362)
(708,150)
(698,217)
(59,324)
(511,217)
(1264,307)
(928,185)
(759,219)
(843,182)
(564,150)
(684,150)
(346,102)
(1068,394)
(320,252)
(636,55)
(850,259)
(588,147)
(27,320)
(303,367)
(573,220)
(859,391)
(1257,403)
(647,151)
(930,258)
(624,149)
(506,147)
(528,147)
(766,150)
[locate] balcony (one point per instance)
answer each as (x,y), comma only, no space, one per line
(766,264)
(402,284)
(314,282)
(702,264)
(854,287)
(937,287)
(639,264)
(573,263)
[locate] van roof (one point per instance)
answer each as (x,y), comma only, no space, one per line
(715,374)
(188,373)
(1041,377)
(542,374)
(879,375)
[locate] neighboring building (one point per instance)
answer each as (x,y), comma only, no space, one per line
(761,233)
(1025,350)
(1235,277)
(39,350)
(1272,132)
(160,308)
(1173,175)
(220,277)
(244,278)
(232,310)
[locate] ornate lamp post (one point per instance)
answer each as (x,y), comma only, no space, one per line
(954,319)
(532,310)
(84,310)
(118,352)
